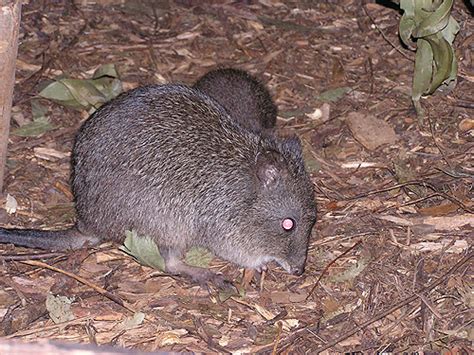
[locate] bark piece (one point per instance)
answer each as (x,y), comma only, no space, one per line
(370,131)
(9,27)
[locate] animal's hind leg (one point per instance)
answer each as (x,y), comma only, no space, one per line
(174,265)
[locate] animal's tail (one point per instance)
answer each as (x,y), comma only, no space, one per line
(48,240)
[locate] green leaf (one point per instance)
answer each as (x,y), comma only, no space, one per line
(451,30)
(105,70)
(143,249)
(106,80)
(38,110)
(199,257)
(352,272)
(226,293)
(443,57)
(146,252)
(74,93)
(423,9)
(34,129)
(423,69)
(109,87)
(435,29)
(454,70)
(435,21)
(420,112)
(58,92)
(333,94)
(408,7)
(85,94)
(405,30)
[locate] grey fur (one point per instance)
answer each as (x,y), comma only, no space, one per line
(244,98)
(170,163)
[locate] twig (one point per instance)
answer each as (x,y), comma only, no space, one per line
(385,37)
(399,304)
(430,306)
(465,104)
(80,279)
(456,174)
(201,332)
(43,328)
(456,331)
(328,266)
(22,257)
(277,340)
(371,70)
(421,199)
(416,182)
(339,237)
(444,195)
(393,187)
(280,316)
(441,151)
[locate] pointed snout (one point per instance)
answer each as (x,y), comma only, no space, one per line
(292,268)
(297,270)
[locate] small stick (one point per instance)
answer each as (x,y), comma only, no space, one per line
(441,151)
(22,257)
(384,36)
(328,266)
(416,182)
(43,328)
(96,288)
(277,340)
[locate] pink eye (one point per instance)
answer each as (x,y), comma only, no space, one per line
(288,224)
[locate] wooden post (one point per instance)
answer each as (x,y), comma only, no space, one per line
(10,11)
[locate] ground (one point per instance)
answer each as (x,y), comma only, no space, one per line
(390,262)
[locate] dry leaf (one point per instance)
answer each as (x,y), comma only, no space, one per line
(171,337)
(59,308)
(451,222)
(369,131)
(351,272)
(11,204)
(466,124)
(265,313)
(133,321)
(32,286)
(285,297)
(315,115)
(439,210)
(397,220)
(458,247)
(50,154)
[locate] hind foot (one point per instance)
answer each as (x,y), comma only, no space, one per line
(201,276)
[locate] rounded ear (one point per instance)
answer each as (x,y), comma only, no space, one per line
(270,167)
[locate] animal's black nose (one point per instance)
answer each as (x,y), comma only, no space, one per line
(297,270)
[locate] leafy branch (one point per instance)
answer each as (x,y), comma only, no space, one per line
(429,24)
